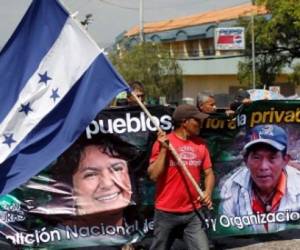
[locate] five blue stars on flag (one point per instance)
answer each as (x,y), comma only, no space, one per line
(26,108)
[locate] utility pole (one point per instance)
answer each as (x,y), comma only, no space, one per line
(141,21)
(253,46)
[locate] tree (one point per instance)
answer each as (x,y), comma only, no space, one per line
(284,26)
(153,66)
(277,41)
(295,76)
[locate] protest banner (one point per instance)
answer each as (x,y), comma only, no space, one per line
(106,199)
(237,213)
(102,201)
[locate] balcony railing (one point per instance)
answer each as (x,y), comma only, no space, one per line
(196,53)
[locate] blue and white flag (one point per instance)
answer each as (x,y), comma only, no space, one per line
(54,79)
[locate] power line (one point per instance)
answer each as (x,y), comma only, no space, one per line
(119,6)
(159,7)
(147,8)
(177,5)
(81,7)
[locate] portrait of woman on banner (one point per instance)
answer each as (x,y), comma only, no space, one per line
(98,174)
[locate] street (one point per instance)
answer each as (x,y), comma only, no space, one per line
(288,240)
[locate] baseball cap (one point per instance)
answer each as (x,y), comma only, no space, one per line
(187,111)
(270,134)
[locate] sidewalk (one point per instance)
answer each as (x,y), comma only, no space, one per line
(274,245)
(287,240)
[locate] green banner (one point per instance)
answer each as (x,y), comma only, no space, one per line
(242,202)
(97,193)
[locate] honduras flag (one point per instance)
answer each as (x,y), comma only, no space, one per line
(54,79)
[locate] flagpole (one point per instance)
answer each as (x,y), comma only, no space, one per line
(253,47)
(141,21)
(171,148)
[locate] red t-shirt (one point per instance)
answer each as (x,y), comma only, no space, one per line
(174,190)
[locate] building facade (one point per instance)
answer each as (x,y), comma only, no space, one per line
(191,40)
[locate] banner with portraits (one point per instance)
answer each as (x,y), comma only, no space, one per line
(97,193)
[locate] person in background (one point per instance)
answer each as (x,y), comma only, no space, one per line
(206,102)
(267,184)
(241,97)
(139,90)
(121,99)
(177,202)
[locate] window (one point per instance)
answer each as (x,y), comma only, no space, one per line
(208,46)
(192,47)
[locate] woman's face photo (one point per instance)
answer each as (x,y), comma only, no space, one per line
(101,182)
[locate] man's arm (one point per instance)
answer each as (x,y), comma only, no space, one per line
(209,182)
(157,167)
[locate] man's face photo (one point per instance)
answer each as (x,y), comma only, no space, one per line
(265,164)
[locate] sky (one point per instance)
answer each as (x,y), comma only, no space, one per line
(112,17)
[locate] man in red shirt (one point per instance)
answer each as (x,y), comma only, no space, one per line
(177,202)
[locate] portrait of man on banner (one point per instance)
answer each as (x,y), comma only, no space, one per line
(264,193)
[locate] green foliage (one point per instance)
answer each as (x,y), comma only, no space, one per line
(295,76)
(284,26)
(245,74)
(152,65)
(277,41)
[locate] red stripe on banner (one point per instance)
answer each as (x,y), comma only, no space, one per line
(225,39)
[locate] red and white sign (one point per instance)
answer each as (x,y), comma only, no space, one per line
(230,38)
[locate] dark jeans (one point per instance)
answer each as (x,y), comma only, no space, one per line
(166,226)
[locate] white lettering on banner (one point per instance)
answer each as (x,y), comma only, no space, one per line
(258,219)
(128,124)
(211,224)
(64,232)
(12,213)
(37,237)
(241,120)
